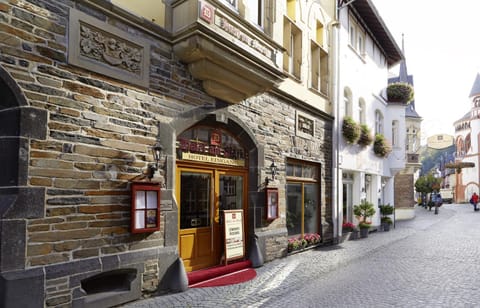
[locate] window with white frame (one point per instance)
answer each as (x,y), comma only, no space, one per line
(347,101)
(233,3)
(292,42)
(412,140)
(378,122)
(361,111)
(319,69)
(254,12)
(356,36)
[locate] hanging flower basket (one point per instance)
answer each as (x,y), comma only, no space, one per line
(381,147)
(365,138)
(350,130)
(400,92)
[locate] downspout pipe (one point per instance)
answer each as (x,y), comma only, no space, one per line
(335,26)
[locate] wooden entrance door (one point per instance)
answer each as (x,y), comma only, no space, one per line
(203,194)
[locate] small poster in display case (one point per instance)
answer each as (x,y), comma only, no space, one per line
(271,203)
(145,207)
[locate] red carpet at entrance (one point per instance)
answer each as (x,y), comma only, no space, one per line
(222,275)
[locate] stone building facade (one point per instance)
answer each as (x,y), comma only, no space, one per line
(88,88)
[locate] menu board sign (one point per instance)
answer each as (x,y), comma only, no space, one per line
(234,241)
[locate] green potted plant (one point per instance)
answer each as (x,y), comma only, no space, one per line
(381,147)
(350,130)
(386,210)
(365,138)
(349,231)
(364,210)
(400,92)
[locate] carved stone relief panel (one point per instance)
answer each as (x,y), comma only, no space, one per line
(99,47)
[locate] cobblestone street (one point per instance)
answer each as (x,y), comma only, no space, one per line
(430,261)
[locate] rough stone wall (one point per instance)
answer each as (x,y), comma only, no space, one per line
(99,135)
(404,191)
(272,120)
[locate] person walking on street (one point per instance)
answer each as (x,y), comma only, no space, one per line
(474,201)
(436,201)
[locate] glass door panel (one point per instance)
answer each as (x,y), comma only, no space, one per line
(302,208)
(294,208)
(231,192)
(197,245)
(195,200)
(310,213)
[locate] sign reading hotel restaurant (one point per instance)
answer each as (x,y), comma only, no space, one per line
(234,242)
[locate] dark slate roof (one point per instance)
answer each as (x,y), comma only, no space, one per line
(410,111)
(476,87)
(377,28)
(466,117)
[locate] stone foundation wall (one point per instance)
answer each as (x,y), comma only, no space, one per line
(404,191)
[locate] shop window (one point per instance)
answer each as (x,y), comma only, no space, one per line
(303,202)
(292,42)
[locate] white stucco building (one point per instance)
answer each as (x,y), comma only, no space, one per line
(366,52)
(467,150)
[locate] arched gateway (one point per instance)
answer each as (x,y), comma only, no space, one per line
(212,175)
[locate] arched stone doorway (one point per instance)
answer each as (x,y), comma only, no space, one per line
(219,175)
(19,126)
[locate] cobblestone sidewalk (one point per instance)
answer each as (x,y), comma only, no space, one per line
(282,277)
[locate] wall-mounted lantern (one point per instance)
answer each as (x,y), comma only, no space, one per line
(271,203)
(157,150)
(273,172)
(145,212)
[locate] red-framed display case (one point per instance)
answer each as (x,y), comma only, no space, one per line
(145,212)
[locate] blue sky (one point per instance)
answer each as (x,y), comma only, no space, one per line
(442,49)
